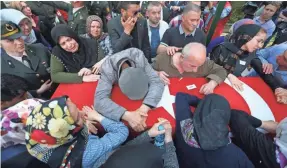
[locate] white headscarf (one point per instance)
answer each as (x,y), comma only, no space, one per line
(16,17)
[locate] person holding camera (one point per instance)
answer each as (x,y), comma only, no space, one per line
(129,30)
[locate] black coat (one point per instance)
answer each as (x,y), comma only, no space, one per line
(121,41)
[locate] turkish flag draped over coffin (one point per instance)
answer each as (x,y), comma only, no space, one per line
(83,94)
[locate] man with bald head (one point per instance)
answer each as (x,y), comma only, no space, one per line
(190,62)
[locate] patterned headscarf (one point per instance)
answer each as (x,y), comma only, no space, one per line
(13,122)
(50,126)
(89,21)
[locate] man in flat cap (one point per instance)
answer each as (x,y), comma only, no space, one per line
(136,79)
(31,62)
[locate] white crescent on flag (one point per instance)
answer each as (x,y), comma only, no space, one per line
(258,107)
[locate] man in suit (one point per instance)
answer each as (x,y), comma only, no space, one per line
(29,62)
(128,30)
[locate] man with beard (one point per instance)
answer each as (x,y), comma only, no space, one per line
(129,30)
(175,38)
(156,26)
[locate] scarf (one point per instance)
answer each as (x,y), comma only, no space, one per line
(210,121)
(86,56)
(52,135)
(89,21)
(16,17)
(240,37)
(282,62)
(13,122)
(31,38)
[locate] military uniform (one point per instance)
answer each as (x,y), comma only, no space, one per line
(77,20)
(38,56)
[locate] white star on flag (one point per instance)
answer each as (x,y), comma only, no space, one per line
(166,101)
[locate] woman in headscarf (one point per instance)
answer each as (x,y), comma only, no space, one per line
(56,134)
(74,59)
(216,41)
(202,138)
(94,28)
(238,57)
(31,36)
(39,23)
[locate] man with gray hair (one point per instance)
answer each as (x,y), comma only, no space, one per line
(176,38)
(191,62)
(136,79)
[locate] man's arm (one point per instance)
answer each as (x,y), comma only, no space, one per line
(119,40)
(215,72)
(103,103)
(155,86)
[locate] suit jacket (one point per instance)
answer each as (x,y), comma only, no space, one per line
(77,21)
(121,41)
(39,57)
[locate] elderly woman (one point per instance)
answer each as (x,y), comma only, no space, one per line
(31,36)
(73,146)
(39,23)
(238,57)
(95,31)
(74,59)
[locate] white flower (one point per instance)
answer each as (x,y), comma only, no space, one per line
(39,121)
(58,127)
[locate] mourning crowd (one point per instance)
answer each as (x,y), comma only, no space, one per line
(139,46)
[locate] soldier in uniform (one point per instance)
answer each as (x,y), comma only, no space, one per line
(29,62)
(78,16)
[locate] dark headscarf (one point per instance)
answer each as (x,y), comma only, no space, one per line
(86,56)
(211,118)
(240,37)
(231,51)
(52,135)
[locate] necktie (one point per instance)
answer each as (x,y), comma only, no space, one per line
(26,61)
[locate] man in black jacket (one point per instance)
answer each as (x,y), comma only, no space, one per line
(128,30)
